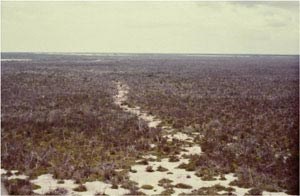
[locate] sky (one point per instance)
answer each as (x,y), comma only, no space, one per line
(151,27)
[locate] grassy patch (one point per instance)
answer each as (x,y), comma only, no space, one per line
(161,169)
(168,191)
(80,188)
(213,190)
(149,169)
(254,191)
(60,182)
(174,158)
(147,187)
(183,186)
(57,191)
(19,187)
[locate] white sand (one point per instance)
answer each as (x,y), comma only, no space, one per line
(16,59)
(179,136)
(150,156)
(143,177)
(121,97)
(47,183)
(3,171)
(14,175)
(152,145)
(195,149)
(23,177)
(266,193)
(98,186)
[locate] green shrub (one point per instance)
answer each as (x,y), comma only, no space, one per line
(147,187)
(80,188)
(161,169)
(183,186)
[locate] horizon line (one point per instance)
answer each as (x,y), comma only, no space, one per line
(153,53)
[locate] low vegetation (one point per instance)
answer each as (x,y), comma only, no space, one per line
(214,190)
(183,186)
(245,109)
(57,191)
(19,187)
(147,186)
(80,188)
(59,117)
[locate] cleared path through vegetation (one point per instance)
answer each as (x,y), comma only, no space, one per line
(158,176)
(176,176)
(172,180)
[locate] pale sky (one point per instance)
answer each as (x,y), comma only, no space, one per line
(151,27)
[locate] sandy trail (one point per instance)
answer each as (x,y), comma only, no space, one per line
(141,176)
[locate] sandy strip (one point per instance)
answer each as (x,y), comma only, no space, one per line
(141,175)
(47,183)
(144,177)
(16,59)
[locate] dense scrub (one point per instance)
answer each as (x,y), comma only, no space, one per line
(247,109)
(58,116)
(61,120)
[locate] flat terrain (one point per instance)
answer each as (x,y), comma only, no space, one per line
(149,124)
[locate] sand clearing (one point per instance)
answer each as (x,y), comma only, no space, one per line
(143,177)
(47,183)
